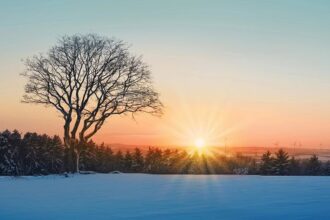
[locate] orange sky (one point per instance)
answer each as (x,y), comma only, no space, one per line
(189,117)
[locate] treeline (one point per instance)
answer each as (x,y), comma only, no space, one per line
(31,154)
(34,154)
(282,164)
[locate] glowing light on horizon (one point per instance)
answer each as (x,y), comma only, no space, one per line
(200,147)
(200,143)
(198,126)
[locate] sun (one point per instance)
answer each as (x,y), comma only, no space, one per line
(199,143)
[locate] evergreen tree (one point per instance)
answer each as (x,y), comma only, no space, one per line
(31,155)
(106,159)
(294,166)
(128,162)
(9,144)
(55,161)
(153,160)
(36,154)
(137,161)
(166,161)
(267,162)
(281,162)
(175,161)
(313,166)
(182,163)
(326,168)
(119,161)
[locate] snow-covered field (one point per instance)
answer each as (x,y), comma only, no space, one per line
(141,196)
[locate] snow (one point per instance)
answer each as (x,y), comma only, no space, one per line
(142,196)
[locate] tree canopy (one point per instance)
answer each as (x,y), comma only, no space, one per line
(87,79)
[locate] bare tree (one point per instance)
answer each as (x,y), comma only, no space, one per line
(88,78)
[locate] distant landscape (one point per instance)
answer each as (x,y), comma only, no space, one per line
(255,152)
(165,110)
(34,154)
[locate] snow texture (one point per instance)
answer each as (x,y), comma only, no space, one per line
(142,196)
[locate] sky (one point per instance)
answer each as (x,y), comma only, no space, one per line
(240,73)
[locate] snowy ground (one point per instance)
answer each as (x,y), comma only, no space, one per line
(140,196)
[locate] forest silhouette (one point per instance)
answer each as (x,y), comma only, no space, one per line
(34,154)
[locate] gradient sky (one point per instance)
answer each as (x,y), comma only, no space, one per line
(251,73)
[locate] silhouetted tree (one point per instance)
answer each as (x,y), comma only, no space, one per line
(119,161)
(326,168)
(281,162)
(87,79)
(33,154)
(41,154)
(313,166)
(294,166)
(267,164)
(153,160)
(36,154)
(128,162)
(137,161)
(9,146)
(196,165)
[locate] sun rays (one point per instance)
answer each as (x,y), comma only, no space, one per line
(199,128)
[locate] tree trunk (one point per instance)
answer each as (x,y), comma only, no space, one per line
(72,165)
(71,159)
(77,160)
(72,144)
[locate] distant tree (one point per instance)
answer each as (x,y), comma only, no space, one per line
(204,163)
(55,155)
(166,161)
(253,167)
(108,159)
(32,154)
(196,164)
(313,166)
(9,146)
(326,168)
(267,163)
(137,161)
(128,162)
(153,160)
(182,162)
(119,161)
(281,162)
(40,154)
(36,154)
(174,161)
(294,166)
(87,79)
(243,164)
